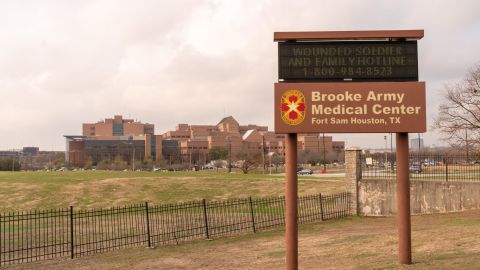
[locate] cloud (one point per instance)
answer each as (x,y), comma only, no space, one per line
(170,62)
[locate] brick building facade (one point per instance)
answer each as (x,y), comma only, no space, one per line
(134,140)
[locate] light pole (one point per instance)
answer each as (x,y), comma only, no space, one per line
(189,158)
(386,150)
(391,143)
(324,155)
(419,146)
(263,153)
(133,157)
(318,144)
(229,141)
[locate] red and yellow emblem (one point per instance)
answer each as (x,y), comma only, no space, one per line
(292,107)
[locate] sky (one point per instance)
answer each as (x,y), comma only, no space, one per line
(64,63)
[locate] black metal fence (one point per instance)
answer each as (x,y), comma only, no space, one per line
(39,235)
(423,167)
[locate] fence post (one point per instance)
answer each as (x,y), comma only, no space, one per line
(148,225)
(205,218)
(72,252)
(252,214)
(321,206)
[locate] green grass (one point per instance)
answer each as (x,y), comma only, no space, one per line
(87,189)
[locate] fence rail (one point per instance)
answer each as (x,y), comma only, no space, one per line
(38,235)
(423,167)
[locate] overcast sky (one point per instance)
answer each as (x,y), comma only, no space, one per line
(63,63)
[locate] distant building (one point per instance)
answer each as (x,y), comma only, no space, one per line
(111,139)
(31,158)
(195,141)
(30,150)
(116,126)
(129,140)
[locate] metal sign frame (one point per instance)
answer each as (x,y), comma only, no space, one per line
(403,176)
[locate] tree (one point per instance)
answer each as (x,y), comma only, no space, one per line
(6,165)
(147,164)
(119,163)
(217,154)
(88,164)
(161,163)
(459,116)
(104,164)
(249,161)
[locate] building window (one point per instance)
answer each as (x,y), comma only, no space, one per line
(117,130)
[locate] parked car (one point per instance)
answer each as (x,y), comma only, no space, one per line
(305,171)
(415,168)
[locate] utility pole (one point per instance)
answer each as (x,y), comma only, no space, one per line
(263,153)
(419,145)
(270,162)
(391,143)
(318,147)
(318,144)
(229,141)
(324,154)
(386,150)
(189,159)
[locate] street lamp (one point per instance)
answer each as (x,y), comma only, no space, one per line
(386,150)
(419,146)
(229,141)
(263,153)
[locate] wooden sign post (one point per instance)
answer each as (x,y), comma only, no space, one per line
(349,82)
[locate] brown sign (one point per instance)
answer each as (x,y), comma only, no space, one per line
(365,107)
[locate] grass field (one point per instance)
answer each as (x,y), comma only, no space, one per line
(88,189)
(441,241)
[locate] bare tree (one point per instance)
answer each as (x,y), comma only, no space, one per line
(459,116)
(249,161)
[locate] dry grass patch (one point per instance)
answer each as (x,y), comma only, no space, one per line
(83,190)
(445,241)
